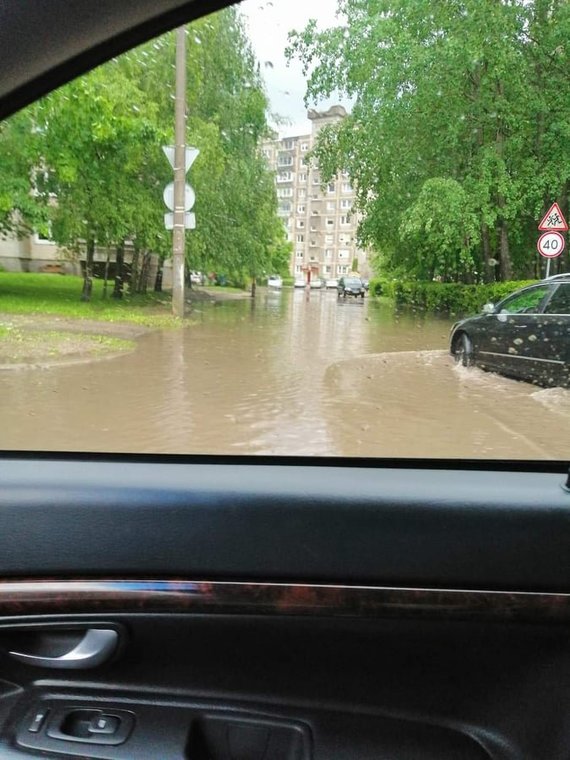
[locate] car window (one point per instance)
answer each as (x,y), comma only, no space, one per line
(528,302)
(560,301)
(323,145)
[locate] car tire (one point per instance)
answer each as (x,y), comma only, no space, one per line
(464,351)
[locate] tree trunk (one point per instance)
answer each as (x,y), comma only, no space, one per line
(133,280)
(158,280)
(506,266)
(253,286)
(488,271)
(88,275)
(144,272)
(106,276)
(118,289)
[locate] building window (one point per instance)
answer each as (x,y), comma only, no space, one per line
(285,177)
(330,222)
(342,269)
(303,162)
(300,224)
(300,238)
(345,203)
(300,254)
(299,268)
(304,147)
(316,180)
(343,253)
(344,220)
(328,269)
(45,236)
(329,239)
(301,208)
(329,253)
(331,187)
(303,177)
(284,160)
(331,206)
(302,193)
(346,187)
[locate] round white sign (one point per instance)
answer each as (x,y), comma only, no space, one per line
(551,244)
(189,196)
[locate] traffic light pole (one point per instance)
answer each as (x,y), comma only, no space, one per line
(178,237)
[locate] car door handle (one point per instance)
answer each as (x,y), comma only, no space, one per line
(96,646)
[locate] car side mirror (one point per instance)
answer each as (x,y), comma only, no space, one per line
(489,308)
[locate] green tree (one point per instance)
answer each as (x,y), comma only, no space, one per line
(21,210)
(97,132)
(471,92)
(89,157)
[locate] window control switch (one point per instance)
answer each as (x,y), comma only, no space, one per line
(104,724)
(91,725)
(37,719)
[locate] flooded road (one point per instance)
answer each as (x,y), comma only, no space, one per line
(288,374)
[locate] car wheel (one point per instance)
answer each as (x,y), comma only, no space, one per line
(464,351)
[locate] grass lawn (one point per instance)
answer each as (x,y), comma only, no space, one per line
(221,289)
(60,295)
(23,346)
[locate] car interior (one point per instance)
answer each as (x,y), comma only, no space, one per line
(268,608)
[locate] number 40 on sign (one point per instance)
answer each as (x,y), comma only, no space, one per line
(550,244)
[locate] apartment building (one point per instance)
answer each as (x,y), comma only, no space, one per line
(319,220)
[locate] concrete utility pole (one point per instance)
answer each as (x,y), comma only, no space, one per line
(178,237)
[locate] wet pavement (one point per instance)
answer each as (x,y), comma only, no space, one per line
(288,374)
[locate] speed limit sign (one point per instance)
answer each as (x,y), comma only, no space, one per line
(551,244)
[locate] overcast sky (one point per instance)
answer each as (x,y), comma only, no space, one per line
(269,22)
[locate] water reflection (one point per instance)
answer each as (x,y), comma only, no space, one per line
(288,373)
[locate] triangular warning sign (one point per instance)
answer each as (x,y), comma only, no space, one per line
(553,220)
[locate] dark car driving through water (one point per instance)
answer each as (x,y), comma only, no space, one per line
(350,286)
(525,336)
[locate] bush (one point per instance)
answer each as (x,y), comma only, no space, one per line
(447,297)
(379,286)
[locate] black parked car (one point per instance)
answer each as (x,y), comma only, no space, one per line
(350,286)
(526,335)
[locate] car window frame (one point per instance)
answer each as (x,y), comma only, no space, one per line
(551,288)
(555,290)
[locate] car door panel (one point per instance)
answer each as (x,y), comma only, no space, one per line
(313,637)
(271,522)
(515,335)
(363,689)
(484,334)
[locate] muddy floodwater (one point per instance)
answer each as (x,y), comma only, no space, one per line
(290,373)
